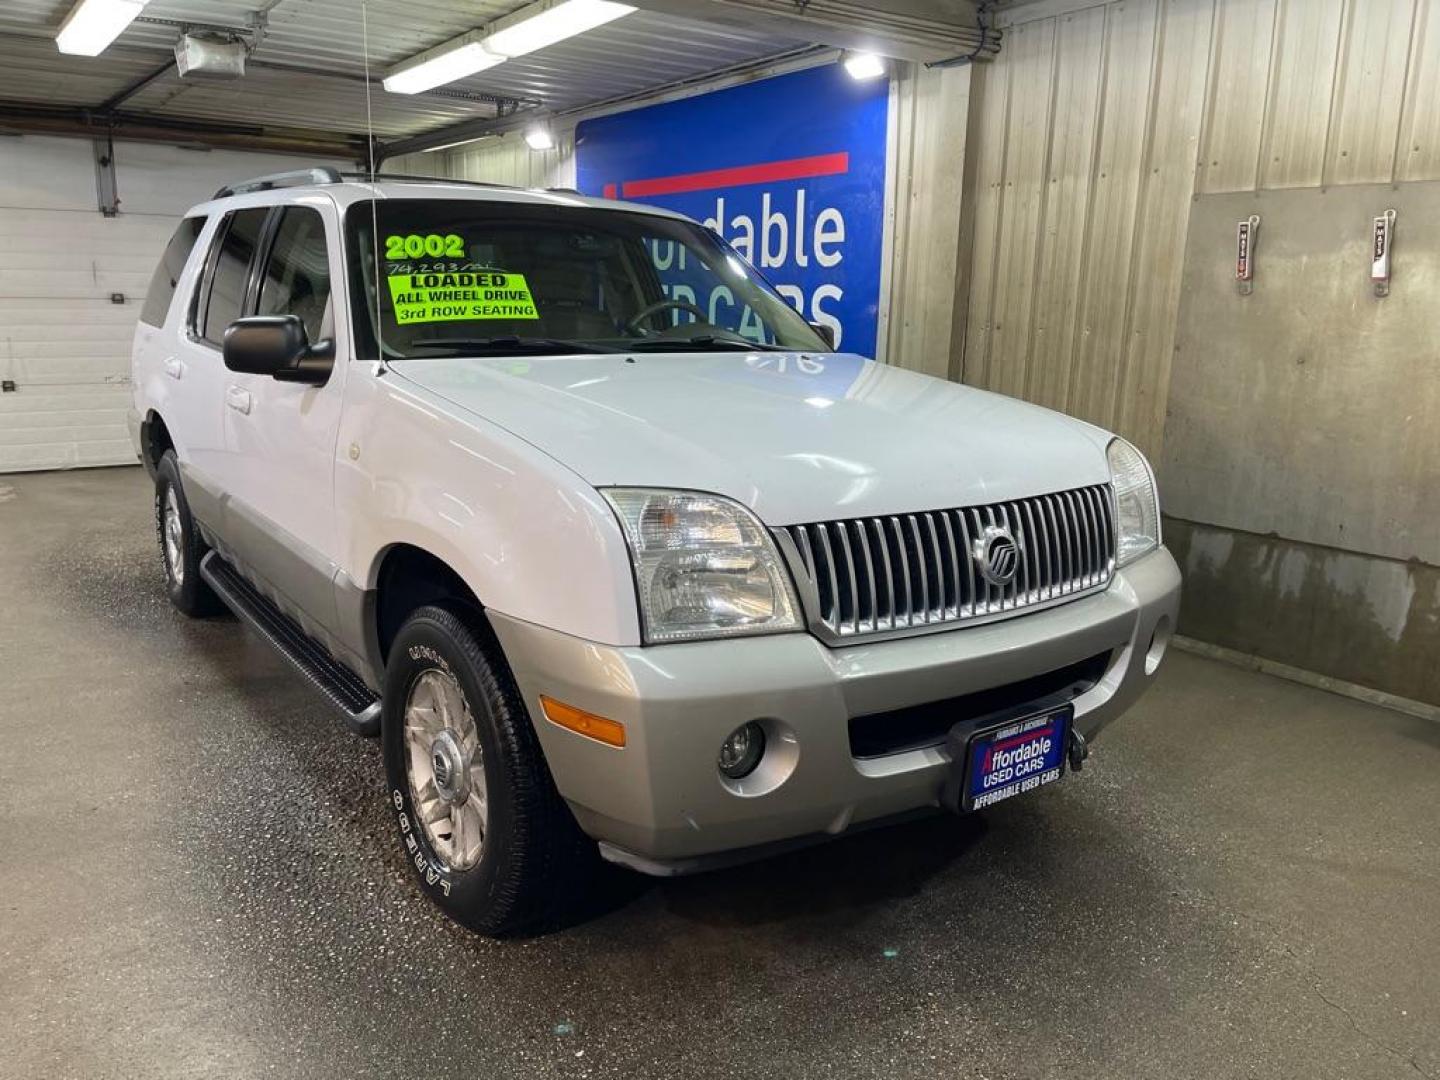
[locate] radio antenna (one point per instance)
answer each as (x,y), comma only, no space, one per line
(374,193)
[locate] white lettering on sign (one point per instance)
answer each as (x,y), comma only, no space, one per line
(786,236)
(990,798)
(829,229)
(1021,753)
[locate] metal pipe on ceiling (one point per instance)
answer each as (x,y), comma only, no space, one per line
(20,117)
(114,101)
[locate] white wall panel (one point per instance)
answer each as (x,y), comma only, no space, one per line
(931,112)
(1164,217)
(1301,87)
(1370,91)
(1419,143)
(1079,71)
(63,342)
(1239,80)
(989,148)
(1123,120)
(1031,51)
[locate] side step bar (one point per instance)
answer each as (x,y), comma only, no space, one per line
(358,704)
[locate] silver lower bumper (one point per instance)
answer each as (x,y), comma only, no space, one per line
(661,805)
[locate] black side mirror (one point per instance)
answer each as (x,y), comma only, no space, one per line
(826,332)
(277,345)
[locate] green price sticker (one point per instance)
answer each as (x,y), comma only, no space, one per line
(486,294)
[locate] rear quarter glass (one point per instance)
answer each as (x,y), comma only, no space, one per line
(163,282)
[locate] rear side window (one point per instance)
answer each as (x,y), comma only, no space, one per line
(297,273)
(167,274)
(239,237)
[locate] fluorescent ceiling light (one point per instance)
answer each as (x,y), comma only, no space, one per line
(864,66)
(93,24)
(532,27)
(539,138)
(543,24)
(446,65)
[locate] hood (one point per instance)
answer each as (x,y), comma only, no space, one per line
(796,437)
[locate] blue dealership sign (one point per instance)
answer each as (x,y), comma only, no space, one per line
(790,170)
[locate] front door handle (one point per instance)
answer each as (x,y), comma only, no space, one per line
(173,367)
(238,399)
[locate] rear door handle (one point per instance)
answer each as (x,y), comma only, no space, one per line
(173,367)
(238,399)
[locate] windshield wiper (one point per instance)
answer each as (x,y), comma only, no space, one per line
(508,343)
(704,342)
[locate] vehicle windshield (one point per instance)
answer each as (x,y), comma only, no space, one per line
(472,277)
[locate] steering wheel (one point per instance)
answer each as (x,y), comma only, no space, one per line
(633,323)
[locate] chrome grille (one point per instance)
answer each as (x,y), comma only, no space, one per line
(901,572)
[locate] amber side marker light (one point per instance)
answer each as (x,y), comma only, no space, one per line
(609,732)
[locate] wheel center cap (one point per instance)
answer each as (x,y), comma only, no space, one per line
(451,767)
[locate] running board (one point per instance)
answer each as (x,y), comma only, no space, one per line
(358,704)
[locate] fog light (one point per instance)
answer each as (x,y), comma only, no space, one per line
(740,753)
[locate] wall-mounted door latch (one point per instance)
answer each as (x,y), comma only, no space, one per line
(1380,252)
(1245,235)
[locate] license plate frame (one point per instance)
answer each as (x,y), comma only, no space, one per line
(1009,740)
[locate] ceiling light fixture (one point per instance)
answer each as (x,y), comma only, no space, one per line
(532,27)
(861,66)
(545,23)
(539,138)
(455,60)
(93,24)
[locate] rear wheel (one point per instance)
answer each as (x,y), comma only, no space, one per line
(489,837)
(181,548)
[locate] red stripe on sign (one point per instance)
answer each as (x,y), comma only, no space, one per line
(609,191)
(766,173)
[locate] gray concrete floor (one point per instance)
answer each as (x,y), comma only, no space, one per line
(197,878)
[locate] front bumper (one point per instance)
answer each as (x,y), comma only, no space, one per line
(660,804)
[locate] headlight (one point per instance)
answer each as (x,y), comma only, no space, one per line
(1137,507)
(704,566)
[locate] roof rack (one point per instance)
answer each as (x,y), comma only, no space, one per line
(406,178)
(322,174)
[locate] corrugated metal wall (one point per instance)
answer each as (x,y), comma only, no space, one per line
(1096,127)
(928,220)
(505,159)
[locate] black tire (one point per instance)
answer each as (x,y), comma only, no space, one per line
(187,589)
(533,860)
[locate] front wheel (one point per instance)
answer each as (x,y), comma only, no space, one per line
(489,837)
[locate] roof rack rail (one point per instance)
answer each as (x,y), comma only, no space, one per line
(322,174)
(407,178)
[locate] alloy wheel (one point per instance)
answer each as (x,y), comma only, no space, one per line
(446,768)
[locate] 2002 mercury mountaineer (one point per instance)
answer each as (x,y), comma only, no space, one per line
(567,504)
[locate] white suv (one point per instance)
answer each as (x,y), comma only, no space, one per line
(563,501)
